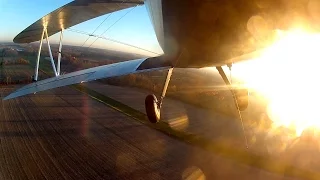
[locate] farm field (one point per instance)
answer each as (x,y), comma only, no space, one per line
(276,144)
(15,74)
(191,107)
(64,134)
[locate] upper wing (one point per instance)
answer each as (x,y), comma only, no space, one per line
(71,14)
(111,70)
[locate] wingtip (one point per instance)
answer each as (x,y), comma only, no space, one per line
(6,98)
(10,96)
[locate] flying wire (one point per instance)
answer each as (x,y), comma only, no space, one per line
(113,25)
(106,38)
(112,40)
(78,31)
(119,42)
(96,29)
(100,25)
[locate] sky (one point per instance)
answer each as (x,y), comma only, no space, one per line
(134,29)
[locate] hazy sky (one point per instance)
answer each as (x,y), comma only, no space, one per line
(135,28)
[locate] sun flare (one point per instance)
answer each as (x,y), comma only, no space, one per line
(287,75)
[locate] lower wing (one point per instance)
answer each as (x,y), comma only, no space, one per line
(100,72)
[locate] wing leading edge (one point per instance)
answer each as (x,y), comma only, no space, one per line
(111,70)
(72,14)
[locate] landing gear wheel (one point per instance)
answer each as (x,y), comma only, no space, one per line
(152,108)
(242,97)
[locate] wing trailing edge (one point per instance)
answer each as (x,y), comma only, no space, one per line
(91,74)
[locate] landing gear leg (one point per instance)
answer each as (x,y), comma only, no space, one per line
(153,106)
(240,96)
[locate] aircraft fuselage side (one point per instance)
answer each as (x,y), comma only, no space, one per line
(199,33)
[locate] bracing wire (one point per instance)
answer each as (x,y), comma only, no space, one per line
(96,29)
(112,25)
(109,39)
(112,40)
(100,25)
(126,44)
(78,31)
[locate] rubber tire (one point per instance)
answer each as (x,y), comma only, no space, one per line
(242,96)
(152,109)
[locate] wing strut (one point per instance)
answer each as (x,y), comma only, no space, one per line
(35,78)
(50,53)
(56,70)
(59,55)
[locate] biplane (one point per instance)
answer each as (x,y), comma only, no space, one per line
(191,33)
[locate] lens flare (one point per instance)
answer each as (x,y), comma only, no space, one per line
(287,75)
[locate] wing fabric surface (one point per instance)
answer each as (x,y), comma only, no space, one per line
(86,75)
(72,14)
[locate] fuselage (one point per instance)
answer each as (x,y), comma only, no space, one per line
(199,33)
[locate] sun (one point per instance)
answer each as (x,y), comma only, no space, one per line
(287,75)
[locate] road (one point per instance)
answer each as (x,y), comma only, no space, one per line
(64,134)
